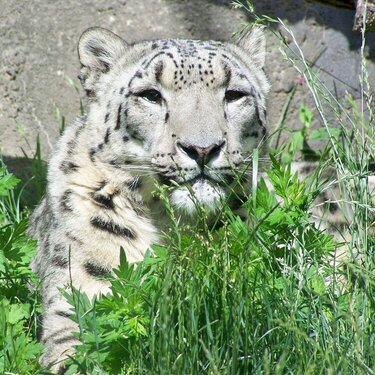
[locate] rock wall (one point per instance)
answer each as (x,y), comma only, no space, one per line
(38,53)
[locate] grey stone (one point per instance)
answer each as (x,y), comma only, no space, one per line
(38,51)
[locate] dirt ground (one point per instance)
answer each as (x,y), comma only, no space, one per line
(39,64)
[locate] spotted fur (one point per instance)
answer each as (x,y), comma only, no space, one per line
(187,113)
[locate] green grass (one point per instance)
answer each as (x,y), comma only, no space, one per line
(264,296)
(19,306)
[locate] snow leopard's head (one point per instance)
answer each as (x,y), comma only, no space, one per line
(190,112)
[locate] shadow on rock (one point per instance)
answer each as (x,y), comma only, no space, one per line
(294,11)
(339,19)
(33,176)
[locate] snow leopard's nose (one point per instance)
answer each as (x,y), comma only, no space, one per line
(202,155)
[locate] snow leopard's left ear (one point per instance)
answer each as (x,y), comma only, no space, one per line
(254,43)
(98,51)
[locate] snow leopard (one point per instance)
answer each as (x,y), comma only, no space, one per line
(184,113)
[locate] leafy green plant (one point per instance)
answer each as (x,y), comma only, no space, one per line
(216,301)
(19,306)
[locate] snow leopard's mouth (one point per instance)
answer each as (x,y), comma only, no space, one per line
(202,191)
(203,177)
(216,180)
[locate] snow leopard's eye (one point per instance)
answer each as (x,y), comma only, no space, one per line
(151,95)
(233,95)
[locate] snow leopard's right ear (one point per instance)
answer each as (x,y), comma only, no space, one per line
(98,50)
(254,43)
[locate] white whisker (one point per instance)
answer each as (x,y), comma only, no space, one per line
(134,167)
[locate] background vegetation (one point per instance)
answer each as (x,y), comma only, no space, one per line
(267,295)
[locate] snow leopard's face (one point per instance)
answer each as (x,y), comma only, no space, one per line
(189,112)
